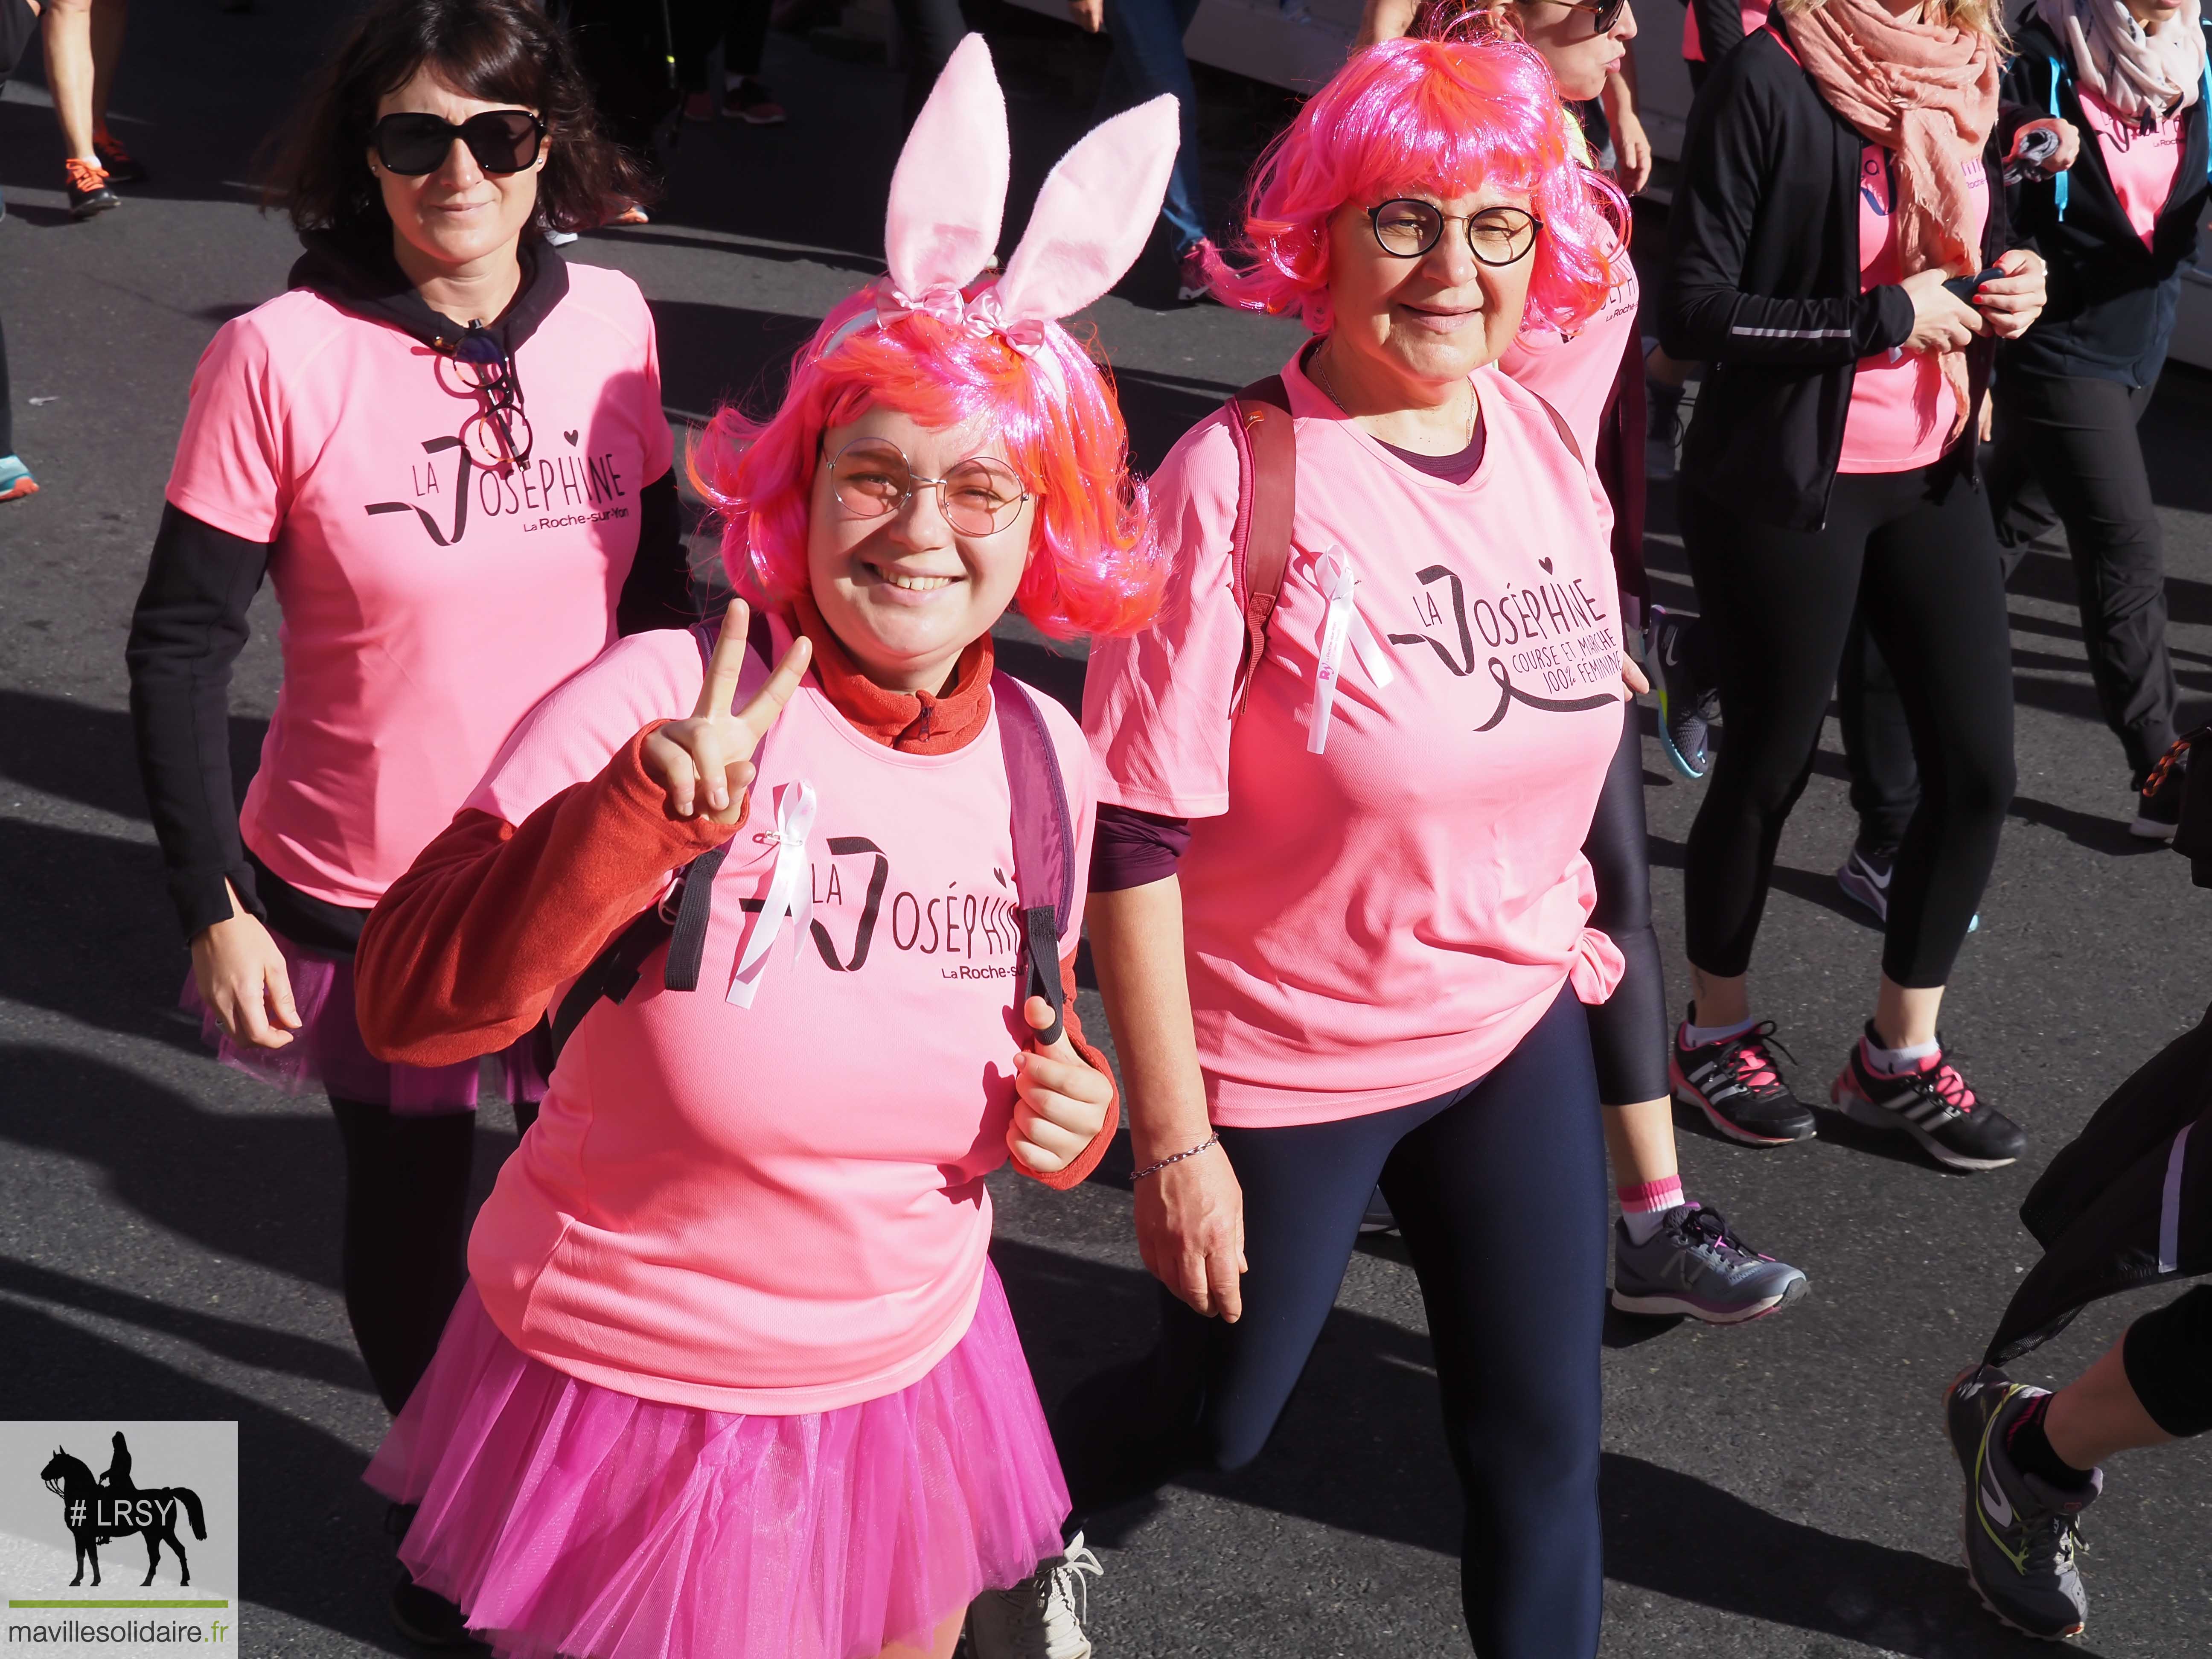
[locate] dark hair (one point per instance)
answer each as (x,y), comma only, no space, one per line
(500,50)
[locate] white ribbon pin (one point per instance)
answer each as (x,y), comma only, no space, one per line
(1333,574)
(790,890)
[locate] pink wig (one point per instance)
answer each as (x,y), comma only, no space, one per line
(1095,565)
(1443,117)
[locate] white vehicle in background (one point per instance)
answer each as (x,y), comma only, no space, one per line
(1299,44)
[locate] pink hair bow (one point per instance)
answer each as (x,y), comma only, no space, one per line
(948,201)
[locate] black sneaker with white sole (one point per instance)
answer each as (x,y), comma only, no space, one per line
(1933,1104)
(1736,1083)
(2158,796)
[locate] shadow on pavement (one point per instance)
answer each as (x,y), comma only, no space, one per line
(185,1168)
(1358,1450)
(310,1534)
(81,753)
(233,1339)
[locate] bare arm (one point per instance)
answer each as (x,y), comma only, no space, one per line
(1190,1216)
(1385,19)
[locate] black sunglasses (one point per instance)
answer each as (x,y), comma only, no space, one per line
(412,143)
(1609,12)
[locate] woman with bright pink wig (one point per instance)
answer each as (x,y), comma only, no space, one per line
(1672,1256)
(734,1377)
(1340,913)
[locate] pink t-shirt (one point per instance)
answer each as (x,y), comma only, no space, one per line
(1383,922)
(1902,408)
(777,1208)
(2141,164)
(1576,373)
(1754,13)
(428,603)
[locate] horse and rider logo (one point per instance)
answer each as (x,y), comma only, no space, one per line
(98,1510)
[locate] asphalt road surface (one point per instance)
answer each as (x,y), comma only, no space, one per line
(167,1236)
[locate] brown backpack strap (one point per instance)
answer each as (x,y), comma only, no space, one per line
(1266,497)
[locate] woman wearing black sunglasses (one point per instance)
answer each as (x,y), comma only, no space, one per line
(445,446)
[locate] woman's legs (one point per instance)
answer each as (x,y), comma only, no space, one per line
(1148,60)
(405,1255)
(1209,1394)
(1779,605)
(1514,1171)
(2076,438)
(1934,600)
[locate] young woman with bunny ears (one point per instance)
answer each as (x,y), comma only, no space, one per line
(734,1376)
(1358,948)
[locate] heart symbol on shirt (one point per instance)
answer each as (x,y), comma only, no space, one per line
(571,437)
(1547,563)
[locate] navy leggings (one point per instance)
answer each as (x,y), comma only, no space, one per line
(1499,1192)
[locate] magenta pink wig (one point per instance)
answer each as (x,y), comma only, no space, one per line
(1095,565)
(1442,118)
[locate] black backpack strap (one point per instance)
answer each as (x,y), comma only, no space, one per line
(1044,843)
(680,920)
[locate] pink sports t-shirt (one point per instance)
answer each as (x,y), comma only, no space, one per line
(1902,408)
(1383,922)
(1753,12)
(428,603)
(1576,373)
(778,1208)
(2143,165)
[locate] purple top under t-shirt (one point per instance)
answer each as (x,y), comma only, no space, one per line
(1131,849)
(1455,468)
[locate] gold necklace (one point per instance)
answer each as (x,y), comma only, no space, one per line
(1321,375)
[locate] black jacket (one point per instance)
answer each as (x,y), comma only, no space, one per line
(2127,1203)
(1762,285)
(190,623)
(2111,311)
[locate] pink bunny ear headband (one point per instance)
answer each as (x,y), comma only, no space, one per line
(949,197)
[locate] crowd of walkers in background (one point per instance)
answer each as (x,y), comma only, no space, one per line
(771,917)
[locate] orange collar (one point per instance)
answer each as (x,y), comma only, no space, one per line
(911,722)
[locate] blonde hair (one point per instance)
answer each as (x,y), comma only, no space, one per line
(1983,16)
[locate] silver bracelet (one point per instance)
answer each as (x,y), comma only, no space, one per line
(1213,1139)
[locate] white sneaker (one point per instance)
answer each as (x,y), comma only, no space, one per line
(1042,1617)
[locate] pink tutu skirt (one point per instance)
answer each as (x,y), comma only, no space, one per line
(569,1519)
(327,1050)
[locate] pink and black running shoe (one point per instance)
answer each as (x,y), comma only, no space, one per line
(1737,1085)
(1933,1104)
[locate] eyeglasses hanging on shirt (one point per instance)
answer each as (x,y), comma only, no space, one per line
(498,435)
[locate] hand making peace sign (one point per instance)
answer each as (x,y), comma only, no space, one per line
(706,763)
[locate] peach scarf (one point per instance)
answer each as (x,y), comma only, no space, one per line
(1927,92)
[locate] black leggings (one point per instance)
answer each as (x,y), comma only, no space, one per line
(1629,1031)
(1500,1191)
(1917,560)
(2070,444)
(404,1258)
(2168,1356)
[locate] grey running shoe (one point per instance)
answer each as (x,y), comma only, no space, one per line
(1865,875)
(1686,710)
(1042,1617)
(2020,1529)
(1694,1265)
